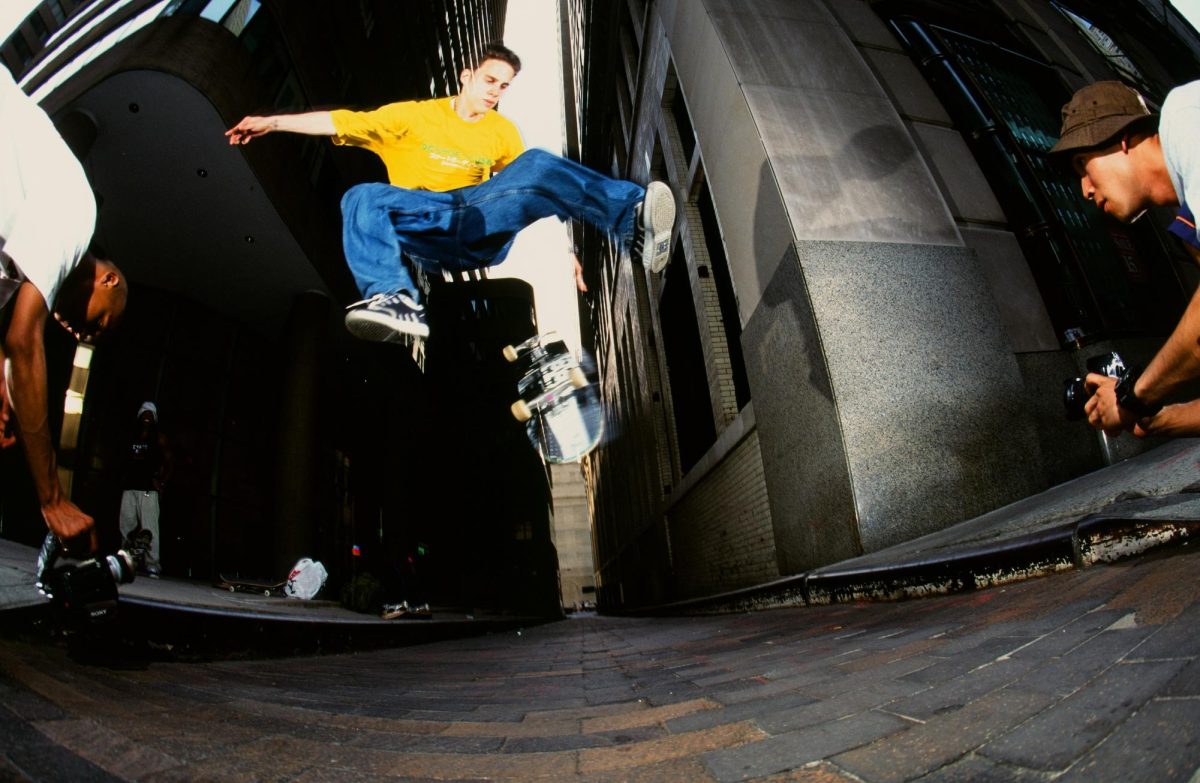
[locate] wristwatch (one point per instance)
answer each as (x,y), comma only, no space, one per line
(1128,399)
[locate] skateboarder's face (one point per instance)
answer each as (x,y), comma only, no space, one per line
(483,86)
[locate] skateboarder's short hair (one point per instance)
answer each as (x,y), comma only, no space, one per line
(496,50)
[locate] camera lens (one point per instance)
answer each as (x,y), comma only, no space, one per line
(1075,396)
(120,566)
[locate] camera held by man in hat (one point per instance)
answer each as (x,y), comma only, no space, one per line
(1128,160)
(147,468)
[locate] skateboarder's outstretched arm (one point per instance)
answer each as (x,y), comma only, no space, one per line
(313,123)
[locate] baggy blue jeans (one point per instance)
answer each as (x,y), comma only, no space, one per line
(474,227)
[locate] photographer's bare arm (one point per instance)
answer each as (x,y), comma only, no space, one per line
(1176,363)
(313,123)
(25,357)
(1173,421)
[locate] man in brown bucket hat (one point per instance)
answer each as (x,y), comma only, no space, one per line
(1128,159)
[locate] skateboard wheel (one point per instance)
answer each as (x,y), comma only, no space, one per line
(578,378)
(520,411)
(232,589)
(510,353)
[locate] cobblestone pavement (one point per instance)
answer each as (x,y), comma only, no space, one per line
(1089,675)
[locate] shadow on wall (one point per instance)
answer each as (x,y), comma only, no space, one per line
(873,187)
(804,460)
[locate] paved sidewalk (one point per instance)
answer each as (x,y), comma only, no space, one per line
(1089,675)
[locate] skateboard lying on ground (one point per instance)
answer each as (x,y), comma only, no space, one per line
(237,584)
(403,609)
(558,404)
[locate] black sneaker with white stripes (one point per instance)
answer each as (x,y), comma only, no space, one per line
(387,318)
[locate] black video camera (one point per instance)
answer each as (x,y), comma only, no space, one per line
(85,591)
(1075,394)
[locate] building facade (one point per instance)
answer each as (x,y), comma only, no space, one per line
(878,284)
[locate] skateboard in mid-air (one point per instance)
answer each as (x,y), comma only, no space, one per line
(558,403)
(237,584)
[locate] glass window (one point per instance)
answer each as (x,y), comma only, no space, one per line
(215,10)
(1097,279)
(23,50)
(690,397)
(240,15)
(56,10)
(1107,47)
(39,27)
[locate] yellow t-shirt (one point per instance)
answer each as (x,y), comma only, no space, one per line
(426,146)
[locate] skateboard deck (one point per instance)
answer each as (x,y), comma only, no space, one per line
(558,403)
(237,584)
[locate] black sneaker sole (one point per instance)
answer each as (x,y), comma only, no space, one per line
(380,330)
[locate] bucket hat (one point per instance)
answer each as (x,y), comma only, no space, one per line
(1097,114)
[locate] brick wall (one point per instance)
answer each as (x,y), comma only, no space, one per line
(720,532)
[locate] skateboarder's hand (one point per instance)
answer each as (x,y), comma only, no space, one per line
(8,435)
(74,528)
(250,128)
(582,286)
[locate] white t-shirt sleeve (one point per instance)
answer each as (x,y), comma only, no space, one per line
(1179,134)
(47,210)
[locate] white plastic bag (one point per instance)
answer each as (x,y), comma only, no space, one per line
(306,580)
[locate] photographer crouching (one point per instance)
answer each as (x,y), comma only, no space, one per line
(1128,160)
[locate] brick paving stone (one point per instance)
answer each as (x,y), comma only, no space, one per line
(1186,684)
(325,775)
(421,743)
(1067,638)
(581,741)
(942,739)
(1172,595)
(551,766)
(685,770)
(964,659)
(815,773)
(269,760)
(836,707)
(25,704)
(954,694)
(981,770)
(648,716)
(673,747)
(1174,638)
(604,696)
(123,756)
(34,756)
(880,671)
(1159,743)
(1066,673)
(765,687)
(969,643)
(794,749)
(759,711)
(1052,739)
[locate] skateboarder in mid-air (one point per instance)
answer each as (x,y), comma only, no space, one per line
(462,186)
